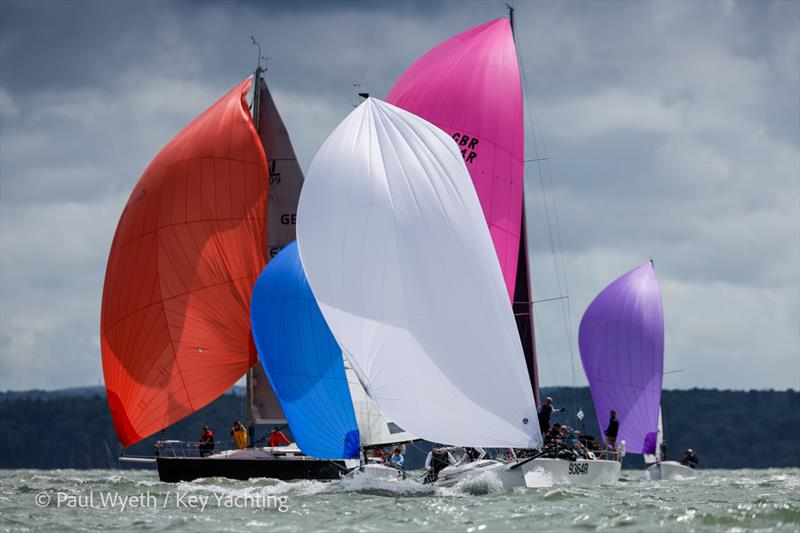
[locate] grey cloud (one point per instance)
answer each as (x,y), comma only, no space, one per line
(672,127)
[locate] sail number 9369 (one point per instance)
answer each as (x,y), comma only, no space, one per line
(578,469)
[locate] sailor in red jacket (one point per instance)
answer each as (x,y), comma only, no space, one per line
(206,445)
(277,438)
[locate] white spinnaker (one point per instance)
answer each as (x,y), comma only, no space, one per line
(374,428)
(398,254)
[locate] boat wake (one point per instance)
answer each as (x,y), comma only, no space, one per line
(383,487)
(538,479)
(477,485)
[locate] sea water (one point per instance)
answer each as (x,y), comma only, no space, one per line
(134,500)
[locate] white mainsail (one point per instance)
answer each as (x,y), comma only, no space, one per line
(374,428)
(656,457)
(399,257)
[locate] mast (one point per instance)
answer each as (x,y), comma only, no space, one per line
(523,298)
(256,110)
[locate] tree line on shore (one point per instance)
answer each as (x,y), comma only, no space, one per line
(727,429)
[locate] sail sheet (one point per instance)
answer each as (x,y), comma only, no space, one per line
(398,254)
(302,360)
(285,182)
(469,86)
(621,340)
(175,321)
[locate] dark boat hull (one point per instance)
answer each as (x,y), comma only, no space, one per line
(175,469)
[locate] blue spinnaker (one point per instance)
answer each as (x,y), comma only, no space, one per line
(302,360)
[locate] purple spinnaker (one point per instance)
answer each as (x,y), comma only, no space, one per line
(621,340)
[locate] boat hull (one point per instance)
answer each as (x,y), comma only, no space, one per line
(669,470)
(450,476)
(375,472)
(175,469)
(582,472)
(277,463)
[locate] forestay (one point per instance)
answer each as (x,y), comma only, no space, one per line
(302,360)
(399,257)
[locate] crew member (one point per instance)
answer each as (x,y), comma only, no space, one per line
(378,454)
(277,438)
(206,445)
(690,459)
(554,434)
(611,431)
(239,435)
(438,458)
(544,412)
(397,460)
(472,454)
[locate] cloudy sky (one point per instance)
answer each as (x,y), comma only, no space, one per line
(672,131)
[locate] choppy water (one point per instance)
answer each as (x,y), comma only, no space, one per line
(79,500)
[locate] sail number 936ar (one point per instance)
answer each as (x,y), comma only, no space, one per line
(578,469)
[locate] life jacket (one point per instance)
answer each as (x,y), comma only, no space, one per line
(277,438)
(439,459)
(240,437)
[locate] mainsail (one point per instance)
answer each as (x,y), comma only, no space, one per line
(175,325)
(374,428)
(302,360)
(400,259)
(621,341)
(470,87)
(285,182)
(658,455)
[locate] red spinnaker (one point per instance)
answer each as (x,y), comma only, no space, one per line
(191,241)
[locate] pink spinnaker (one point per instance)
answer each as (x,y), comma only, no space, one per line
(470,87)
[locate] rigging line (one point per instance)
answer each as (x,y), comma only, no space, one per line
(546,353)
(560,273)
(543,300)
(674,351)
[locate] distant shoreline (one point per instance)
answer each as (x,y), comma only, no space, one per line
(72,428)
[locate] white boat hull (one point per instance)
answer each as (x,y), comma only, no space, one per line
(499,475)
(586,473)
(376,472)
(669,470)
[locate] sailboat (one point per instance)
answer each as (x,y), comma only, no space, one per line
(400,259)
(621,340)
(470,86)
(205,217)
